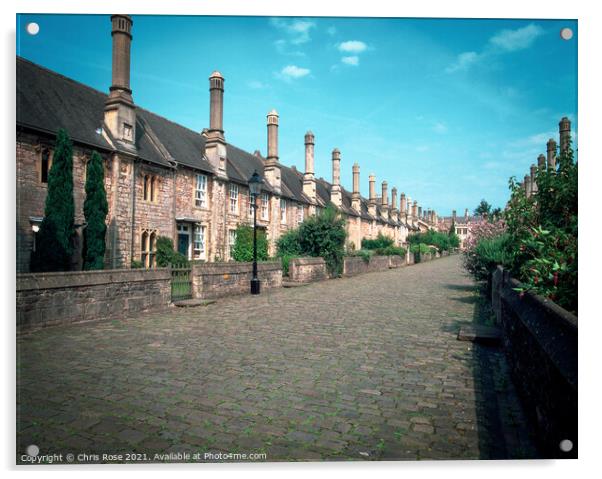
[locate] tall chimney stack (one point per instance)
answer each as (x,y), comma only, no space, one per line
(551,151)
(272,167)
(384,198)
(120,112)
(466,215)
(372,195)
(394,209)
(402,204)
(335,192)
(541,162)
(532,173)
(355,196)
(564,128)
(215,145)
(453,216)
(309,181)
(415,209)
(527,183)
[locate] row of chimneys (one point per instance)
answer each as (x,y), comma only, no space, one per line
(543,163)
(120,120)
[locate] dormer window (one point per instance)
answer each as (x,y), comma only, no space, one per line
(128,132)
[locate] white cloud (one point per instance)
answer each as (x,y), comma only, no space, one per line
(519,39)
(463,61)
(298,31)
(353,46)
(293,71)
(440,127)
(352,60)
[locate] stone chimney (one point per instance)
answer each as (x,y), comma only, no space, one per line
(527,183)
(541,162)
(415,210)
(453,216)
(466,215)
(215,144)
(272,167)
(420,212)
(335,192)
(394,209)
(372,193)
(551,154)
(403,205)
(384,200)
(120,112)
(309,180)
(355,196)
(564,128)
(533,171)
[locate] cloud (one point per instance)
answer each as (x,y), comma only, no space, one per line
(256,85)
(519,39)
(331,31)
(463,62)
(297,31)
(352,60)
(290,72)
(440,127)
(353,46)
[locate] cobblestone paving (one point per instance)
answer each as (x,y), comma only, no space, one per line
(358,368)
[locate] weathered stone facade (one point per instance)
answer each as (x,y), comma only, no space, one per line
(162,179)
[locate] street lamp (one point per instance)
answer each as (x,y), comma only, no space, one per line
(255,183)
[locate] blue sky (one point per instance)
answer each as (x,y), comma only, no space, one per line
(445,110)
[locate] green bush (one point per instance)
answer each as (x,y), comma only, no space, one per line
(324,235)
(95,212)
(380,242)
(286,259)
(442,241)
(486,255)
(391,251)
(137,264)
(365,254)
(243,246)
(167,256)
(288,244)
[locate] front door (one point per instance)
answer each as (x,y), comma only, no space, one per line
(184,240)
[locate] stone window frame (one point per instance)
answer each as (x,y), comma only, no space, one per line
(128,132)
(199,253)
(250,204)
(231,242)
(148,248)
(282,211)
(43,151)
(265,207)
(200,194)
(233,196)
(300,214)
(150,187)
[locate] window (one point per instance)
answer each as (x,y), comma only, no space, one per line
(231,242)
(128,132)
(233,199)
(265,205)
(148,248)
(45,164)
(283,211)
(300,213)
(250,205)
(200,191)
(151,186)
(199,241)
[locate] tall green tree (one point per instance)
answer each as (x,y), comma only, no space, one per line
(54,245)
(483,209)
(95,212)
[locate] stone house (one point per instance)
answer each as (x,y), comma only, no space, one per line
(163,179)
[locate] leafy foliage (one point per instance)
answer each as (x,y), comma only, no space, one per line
(95,212)
(486,254)
(167,255)
(484,209)
(380,242)
(391,251)
(442,241)
(54,242)
(243,246)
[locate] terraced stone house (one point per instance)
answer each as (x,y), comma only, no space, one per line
(163,179)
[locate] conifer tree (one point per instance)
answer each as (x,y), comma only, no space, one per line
(95,212)
(54,245)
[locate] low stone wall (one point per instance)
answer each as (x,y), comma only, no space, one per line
(214,280)
(306,270)
(396,261)
(45,299)
(540,341)
(353,265)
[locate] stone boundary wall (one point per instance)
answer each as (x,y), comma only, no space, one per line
(353,265)
(396,261)
(306,270)
(540,341)
(45,299)
(214,280)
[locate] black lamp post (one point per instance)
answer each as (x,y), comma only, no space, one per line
(255,183)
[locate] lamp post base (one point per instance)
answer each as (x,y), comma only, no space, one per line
(255,286)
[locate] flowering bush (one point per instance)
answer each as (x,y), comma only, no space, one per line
(485,248)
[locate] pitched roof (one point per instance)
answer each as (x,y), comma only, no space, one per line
(47,101)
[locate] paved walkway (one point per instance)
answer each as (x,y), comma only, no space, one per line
(357,368)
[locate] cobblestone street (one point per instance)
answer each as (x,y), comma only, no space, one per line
(359,368)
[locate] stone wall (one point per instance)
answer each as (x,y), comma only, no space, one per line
(213,280)
(306,270)
(353,265)
(56,298)
(396,261)
(540,341)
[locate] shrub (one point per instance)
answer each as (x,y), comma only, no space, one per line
(167,256)
(137,264)
(95,212)
(288,244)
(442,241)
(54,245)
(243,246)
(286,259)
(391,251)
(380,242)
(365,254)
(482,259)
(324,235)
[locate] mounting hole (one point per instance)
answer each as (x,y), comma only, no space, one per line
(32,28)
(32,450)
(566,445)
(566,33)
